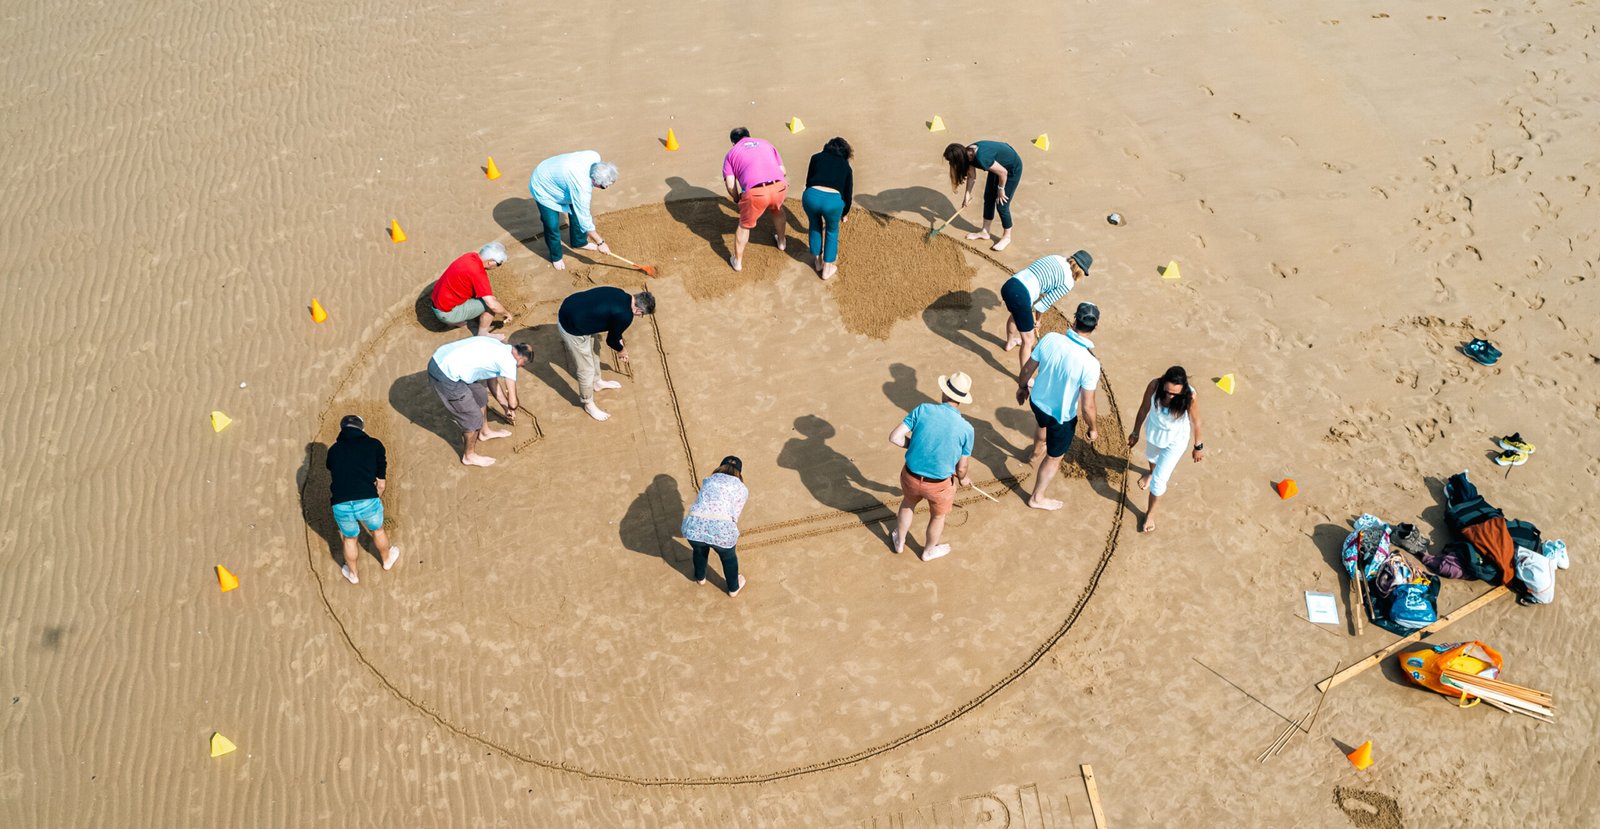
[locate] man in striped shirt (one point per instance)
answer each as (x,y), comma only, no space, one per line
(1033,290)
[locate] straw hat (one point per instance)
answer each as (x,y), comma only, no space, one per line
(957,387)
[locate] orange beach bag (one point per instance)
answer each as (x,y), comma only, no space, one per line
(1426,666)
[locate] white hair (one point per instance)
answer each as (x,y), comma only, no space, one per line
(603,173)
(494,251)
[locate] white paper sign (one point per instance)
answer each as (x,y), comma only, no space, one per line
(1321,608)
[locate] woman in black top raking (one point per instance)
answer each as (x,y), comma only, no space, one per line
(829,186)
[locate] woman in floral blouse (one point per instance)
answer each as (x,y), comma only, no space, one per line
(713,522)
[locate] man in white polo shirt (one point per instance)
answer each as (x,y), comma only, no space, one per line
(462,374)
(1067,375)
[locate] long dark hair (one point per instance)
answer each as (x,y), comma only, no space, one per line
(839,147)
(1177,404)
(960,165)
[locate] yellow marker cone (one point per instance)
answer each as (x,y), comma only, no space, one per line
(672,141)
(936,125)
(318,313)
(1170,271)
(491,171)
(395,233)
(225,579)
(219,421)
(795,125)
(1043,141)
(1287,489)
(1361,757)
(221,745)
(1226,383)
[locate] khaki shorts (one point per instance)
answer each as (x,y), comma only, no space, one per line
(464,401)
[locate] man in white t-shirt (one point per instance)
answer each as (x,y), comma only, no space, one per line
(1067,375)
(462,374)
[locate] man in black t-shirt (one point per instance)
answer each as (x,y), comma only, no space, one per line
(587,314)
(359,466)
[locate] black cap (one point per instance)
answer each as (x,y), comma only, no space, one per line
(1084,260)
(1087,316)
(351,421)
(733,461)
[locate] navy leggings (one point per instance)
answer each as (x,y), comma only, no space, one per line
(730,562)
(991,196)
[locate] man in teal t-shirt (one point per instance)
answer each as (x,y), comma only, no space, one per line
(938,444)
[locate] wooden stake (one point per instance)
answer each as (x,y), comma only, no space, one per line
(1094,796)
(1456,615)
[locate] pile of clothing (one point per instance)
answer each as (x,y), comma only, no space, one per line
(1399,596)
(1494,549)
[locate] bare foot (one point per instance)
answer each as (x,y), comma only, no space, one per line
(1004,241)
(392,558)
(1144,481)
(490,434)
(602,385)
(477,460)
(1149,526)
(979,235)
(828,271)
(590,246)
(1013,345)
(936,551)
(734,261)
(896,544)
(735,591)
(782,243)
(595,412)
(1044,503)
(559,265)
(349,574)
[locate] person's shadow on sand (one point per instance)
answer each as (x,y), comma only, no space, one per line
(959,316)
(549,354)
(833,479)
(315,509)
(930,205)
(520,218)
(707,214)
(650,526)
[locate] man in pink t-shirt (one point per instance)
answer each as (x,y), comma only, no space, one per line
(754,175)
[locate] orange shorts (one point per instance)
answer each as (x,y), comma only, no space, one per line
(940,495)
(758,200)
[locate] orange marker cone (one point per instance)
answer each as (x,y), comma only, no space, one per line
(491,171)
(395,233)
(672,141)
(226,580)
(1287,489)
(1361,757)
(318,314)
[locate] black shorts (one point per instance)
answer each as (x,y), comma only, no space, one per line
(1057,435)
(1017,302)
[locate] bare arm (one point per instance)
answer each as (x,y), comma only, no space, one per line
(496,308)
(1003,174)
(900,436)
(961,471)
(1194,429)
(1028,369)
(381,483)
(972,178)
(733,187)
(1087,409)
(507,401)
(1144,409)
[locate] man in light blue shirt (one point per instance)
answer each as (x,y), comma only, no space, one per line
(1068,374)
(938,444)
(564,184)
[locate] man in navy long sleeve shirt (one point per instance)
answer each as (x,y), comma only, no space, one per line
(586,314)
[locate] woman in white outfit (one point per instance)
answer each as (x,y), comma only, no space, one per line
(1170,420)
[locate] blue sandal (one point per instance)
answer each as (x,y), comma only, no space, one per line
(1482,352)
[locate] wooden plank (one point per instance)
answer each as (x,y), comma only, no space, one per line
(1522,691)
(1445,621)
(1094,796)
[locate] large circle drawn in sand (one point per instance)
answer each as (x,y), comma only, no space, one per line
(543,607)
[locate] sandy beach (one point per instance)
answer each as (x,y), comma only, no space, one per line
(1352,191)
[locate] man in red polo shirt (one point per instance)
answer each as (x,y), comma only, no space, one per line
(756,181)
(463,294)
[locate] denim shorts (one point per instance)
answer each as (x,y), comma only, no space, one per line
(351,516)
